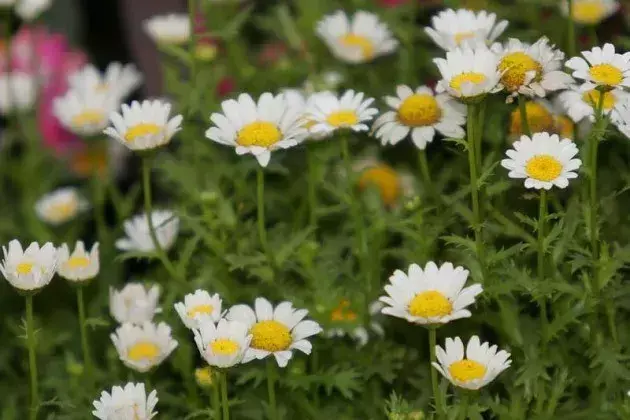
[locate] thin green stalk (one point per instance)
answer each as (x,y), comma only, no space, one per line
(464,402)
(571,47)
(312,184)
(32,362)
(542,216)
(424,170)
(216,399)
(522,107)
(271,389)
(439,407)
(85,346)
(480,118)
(225,404)
(474,187)
(262,230)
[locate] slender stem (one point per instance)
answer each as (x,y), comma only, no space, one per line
(480,118)
(474,187)
(225,404)
(571,47)
(593,146)
(463,405)
(262,230)
(542,216)
(522,106)
(424,170)
(216,399)
(439,407)
(85,346)
(312,185)
(271,389)
(32,362)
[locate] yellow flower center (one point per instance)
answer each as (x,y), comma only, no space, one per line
(543,168)
(24,268)
(538,117)
(429,304)
(515,66)
(564,127)
(419,110)
(205,52)
(467,77)
(270,335)
(343,118)
(259,133)
(592,97)
(463,36)
(205,309)
(358,41)
(606,74)
(224,346)
(343,312)
(142,129)
(588,12)
(62,211)
(89,117)
(143,350)
(204,376)
(466,370)
(74,263)
(385,179)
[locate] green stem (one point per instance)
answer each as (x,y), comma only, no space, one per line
(571,46)
(85,346)
(439,407)
(522,107)
(424,170)
(224,396)
(463,406)
(312,184)
(216,399)
(480,118)
(262,230)
(474,188)
(32,362)
(271,388)
(542,216)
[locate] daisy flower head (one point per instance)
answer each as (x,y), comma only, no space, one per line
(469,73)
(539,118)
(275,331)
(60,206)
(144,126)
(29,10)
(29,269)
(451,29)
(80,265)
(590,12)
(18,92)
(343,316)
(259,127)
(433,295)
(199,306)
(173,29)
(420,114)
(82,113)
(392,184)
(117,81)
(126,403)
(357,39)
(143,347)
(601,67)
(329,113)
(297,99)
(543,161)
(224,344)
(165,224)
(581,104)
(134,303)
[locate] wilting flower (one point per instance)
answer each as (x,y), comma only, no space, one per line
(143,347)
(134,303)
(590,12)
(457,28)
(126,403)
(199,306)
(603,68)
(79,266)
(60,206)
(18,92)
(29,269)
(328,113)
(169,29)
(223,344)
(117,81)
(165,224)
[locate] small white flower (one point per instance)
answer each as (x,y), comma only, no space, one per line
(276,331)
(118,81)
(18,92)
(168,29)
(603,67)
(83,113)
(543,161)
(582,104)
(257,128)
(457,28)
(435,295)
(29,10)
(296,99)
(359,39)
(143,347)
(476,368)
(128,403)
(60,206)
(30,269)
(165,224)
(222,345)
(361,333)
(590,12)
(421,114)
(329,113)
(198,307)
(144,126)
(80,265)
(134,303)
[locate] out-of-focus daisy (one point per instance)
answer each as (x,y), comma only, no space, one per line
(543,161)
(392,184)
(296,99)
(117,81)
(223,344)
(60,206)
(138,238)
(328,80)
(601,67)
(435,295)
(126,403)
(80,265)
(134,303)
(343,316)
(29,10)
(257,128)
(580,105)
(276,331)
(457,28)
(590,12)
(199,306)
(82,113)
(168,29)
(143,347)
(17,92)
(358,39)
(144,126)
(329,113)
(29,269)
(469,73)
(421,114)
(539,118)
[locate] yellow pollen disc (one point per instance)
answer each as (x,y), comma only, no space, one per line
(343,119)
(205,52)
(430,304)
(270,335)
(588,12)
(343,312)
(543,168)
(24,268)
(143,350)
(204,376)
(142,129)
(466,370)
(419,110)
(515,66)
(259,133)
(606,74)
(89,117)
(62,211)
(358,41)
(200,310)
(387,181)
(468,77)
(77,262)
(538,117)
(224,346)
(463,36)
(592,97)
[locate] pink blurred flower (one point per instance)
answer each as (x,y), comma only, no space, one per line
(225,86)
(392,3)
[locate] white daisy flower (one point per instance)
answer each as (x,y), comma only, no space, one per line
(343,314)
(457,28)
(296,99)
(80,265)
(126,403)
(476,368)
(603,67)
(117,81)
(420,114)
(543,161)
(359,39)
(29,269)
(393,184)
(276,331)
(60,206)
(329,113)
(257,128)
(199,306)
(168,29)
(582,104)
(84,114)
(29,10)
(590,12)
(143,347)
(18,92)
(224,344)
(435,295)
(165,224)
(134,303)
(622,122)
(469,73)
